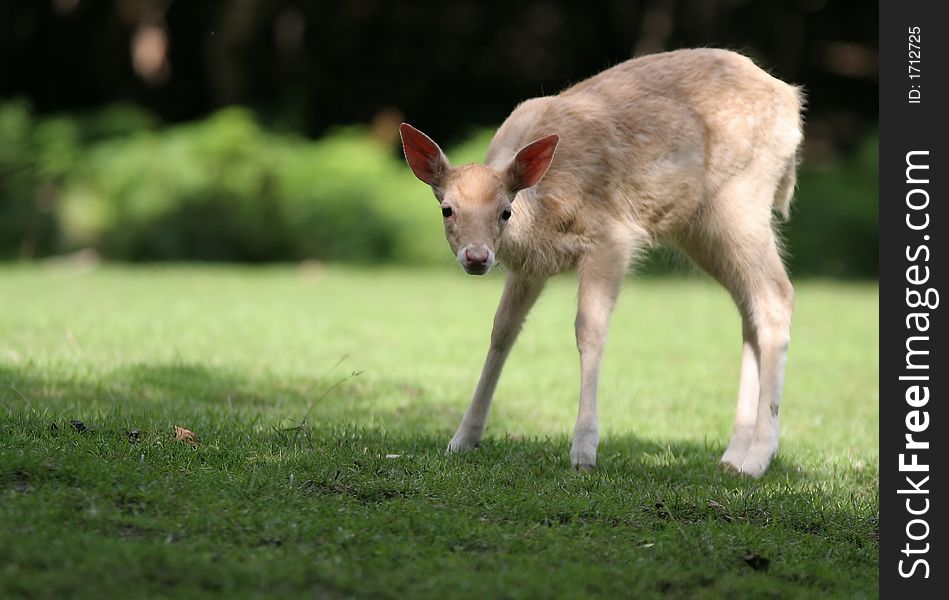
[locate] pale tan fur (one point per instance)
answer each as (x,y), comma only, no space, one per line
(697,148)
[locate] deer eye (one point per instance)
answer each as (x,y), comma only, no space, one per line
(506,214)
(446,211)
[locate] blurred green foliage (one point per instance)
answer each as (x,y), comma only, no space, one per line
(225,189)
(39,158)
(834,228)
(221,189)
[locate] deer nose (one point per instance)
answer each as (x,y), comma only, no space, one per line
(476,258)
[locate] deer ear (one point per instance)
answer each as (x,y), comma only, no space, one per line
(426,159)
(531,163)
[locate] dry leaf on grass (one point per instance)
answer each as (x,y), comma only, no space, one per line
(186,436)
(756,561)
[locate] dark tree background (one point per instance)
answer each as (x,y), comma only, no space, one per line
(82,166)
(446,65)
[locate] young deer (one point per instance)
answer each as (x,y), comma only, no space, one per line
(693,147)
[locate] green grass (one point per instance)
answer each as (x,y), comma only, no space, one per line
(324,399)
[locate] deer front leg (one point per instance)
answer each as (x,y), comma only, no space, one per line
(519,296)
(599,286)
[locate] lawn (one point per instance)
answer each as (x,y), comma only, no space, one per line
(324,397)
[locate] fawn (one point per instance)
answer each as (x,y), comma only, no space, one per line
(694,147)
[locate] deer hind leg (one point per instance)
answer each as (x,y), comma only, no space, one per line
(742,254)
(746,411)
(771,300)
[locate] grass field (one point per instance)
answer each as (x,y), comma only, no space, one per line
(324,399)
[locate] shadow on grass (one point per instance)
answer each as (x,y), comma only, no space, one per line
(638,485)
(266,486)
(302,414)
(186,389)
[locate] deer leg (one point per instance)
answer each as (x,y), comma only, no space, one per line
(519,296)
(600,280)
(766,300)
(743,256)
(773,305)
(747,410)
